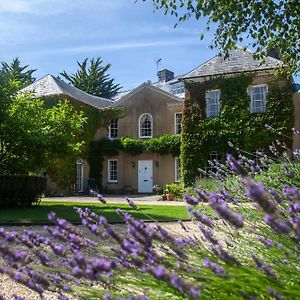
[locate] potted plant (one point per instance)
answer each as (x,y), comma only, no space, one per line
(172,191)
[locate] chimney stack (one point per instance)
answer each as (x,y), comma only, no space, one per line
(275,53)
(165,75)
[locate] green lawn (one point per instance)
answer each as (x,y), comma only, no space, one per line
(65,210)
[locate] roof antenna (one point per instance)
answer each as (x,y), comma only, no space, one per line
(158,63)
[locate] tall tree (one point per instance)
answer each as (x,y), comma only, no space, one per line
(262,24)
(33,135)
(93,78)
(14,72)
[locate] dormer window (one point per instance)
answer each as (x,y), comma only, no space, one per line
(258,96)
(113,129)
(212,103)
(145,126)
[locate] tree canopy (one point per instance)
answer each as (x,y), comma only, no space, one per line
(92,78)
(14,72)
(261,24)
(32,134)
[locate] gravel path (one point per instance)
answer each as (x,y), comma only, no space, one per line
(119,199)
(9,288)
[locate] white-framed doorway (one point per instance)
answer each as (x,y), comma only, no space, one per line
(79,176)
(145,176)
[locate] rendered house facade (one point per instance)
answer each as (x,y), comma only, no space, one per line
(150,113)
(155,109)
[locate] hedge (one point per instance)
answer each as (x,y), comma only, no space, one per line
(21,191)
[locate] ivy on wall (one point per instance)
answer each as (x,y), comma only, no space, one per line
(165,144)
(201,135)
(63,171)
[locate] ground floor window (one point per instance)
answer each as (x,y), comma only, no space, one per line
(177,169)
(79,176)
(113,170)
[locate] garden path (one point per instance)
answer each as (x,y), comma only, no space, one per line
(116,199)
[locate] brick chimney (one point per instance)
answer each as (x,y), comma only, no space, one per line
(165,75)
(275,53)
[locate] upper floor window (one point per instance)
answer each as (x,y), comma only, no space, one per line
(178,119)
(212,103)
(145,126)
(258,96)
(178,89)
(113,129)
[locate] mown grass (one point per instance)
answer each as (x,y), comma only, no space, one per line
(66,210)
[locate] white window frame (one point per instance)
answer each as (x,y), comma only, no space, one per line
(79,176)
(250,92)
(207,111)
(109,171)
(117,129)
(178,89)
(177,169)
(177,125)
(151,119)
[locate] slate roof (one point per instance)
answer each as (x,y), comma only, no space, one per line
(144,85)
(52,86)
(238,61)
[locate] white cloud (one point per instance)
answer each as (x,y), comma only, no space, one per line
(119,46)
(15,6)
(54,7)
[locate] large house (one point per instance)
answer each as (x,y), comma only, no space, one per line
(150,112)
(155,109)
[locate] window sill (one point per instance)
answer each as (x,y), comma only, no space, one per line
(145,137)
(112,182)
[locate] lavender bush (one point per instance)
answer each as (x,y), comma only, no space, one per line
(233,249)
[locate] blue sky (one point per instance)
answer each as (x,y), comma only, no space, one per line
(52,35)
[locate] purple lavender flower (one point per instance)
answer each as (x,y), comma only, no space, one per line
(277,225)
(190,200)
(262,266)
(131,203)
(214,267)
(275,294)
(275,195)
(256,191)
(236,166)
(201,218)
(101,198)
(231,217)
(291,191)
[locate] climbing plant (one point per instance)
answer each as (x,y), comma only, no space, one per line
(201,135)
(62,171)
(165,144)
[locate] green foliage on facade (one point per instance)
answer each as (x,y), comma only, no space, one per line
(201,135)
(165,144)
(63,170)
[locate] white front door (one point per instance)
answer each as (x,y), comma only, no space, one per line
(145,176)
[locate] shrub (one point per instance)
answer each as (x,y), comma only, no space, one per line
(174,188)
(21,191)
